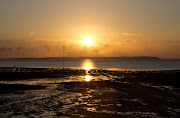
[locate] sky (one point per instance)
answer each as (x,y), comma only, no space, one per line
(44,28)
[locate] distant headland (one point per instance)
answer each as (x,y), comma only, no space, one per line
(122,57)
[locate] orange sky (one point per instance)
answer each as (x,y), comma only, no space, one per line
(40,28)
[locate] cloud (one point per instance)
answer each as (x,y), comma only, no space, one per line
(47,47)
(96,51)
(5,49)
(31,35)
(107,45)
(131,34)
(19,48)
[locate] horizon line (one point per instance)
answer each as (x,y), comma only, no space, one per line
(123,57)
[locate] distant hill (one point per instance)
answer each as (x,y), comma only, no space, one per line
(124,57)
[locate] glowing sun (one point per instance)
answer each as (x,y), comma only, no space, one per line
(87,41)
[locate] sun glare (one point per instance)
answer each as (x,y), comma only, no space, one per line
(87,41)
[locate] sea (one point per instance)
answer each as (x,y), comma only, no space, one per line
(114,64)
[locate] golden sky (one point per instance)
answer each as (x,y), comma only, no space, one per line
(40,28)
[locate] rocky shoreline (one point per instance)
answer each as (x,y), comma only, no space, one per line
(58,92)
(164,77)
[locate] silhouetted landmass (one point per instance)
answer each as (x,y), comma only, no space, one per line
(123,57)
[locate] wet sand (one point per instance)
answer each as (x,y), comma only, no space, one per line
(66,93)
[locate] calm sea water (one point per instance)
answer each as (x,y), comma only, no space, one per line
(124,64)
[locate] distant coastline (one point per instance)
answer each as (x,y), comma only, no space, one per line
(123,57)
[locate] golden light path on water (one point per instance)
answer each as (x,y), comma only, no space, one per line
(88,64)
(87,78)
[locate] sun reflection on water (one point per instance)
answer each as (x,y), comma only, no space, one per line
(87,78)
(88,65)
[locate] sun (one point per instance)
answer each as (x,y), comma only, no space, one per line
(87,41)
